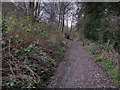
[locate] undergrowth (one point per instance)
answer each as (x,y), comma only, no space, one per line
(29,56)
(110,66)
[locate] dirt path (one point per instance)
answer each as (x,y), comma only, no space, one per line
(79,70)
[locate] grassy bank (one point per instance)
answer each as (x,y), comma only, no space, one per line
(110,67)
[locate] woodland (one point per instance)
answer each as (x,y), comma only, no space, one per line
(35,37)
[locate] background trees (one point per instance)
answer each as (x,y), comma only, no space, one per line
(101,21)
(32,24)
(94,21)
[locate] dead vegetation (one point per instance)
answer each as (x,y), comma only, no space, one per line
(30,54)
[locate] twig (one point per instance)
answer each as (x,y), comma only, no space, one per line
(107,45)
(9,46)
(33,73)
(11,70)
(12,56)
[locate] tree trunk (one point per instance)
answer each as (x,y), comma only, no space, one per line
(35,11)
(59,21)
(31,11)
(63,24)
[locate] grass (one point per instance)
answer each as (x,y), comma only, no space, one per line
(108,65)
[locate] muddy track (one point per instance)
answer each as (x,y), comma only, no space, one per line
(79,70)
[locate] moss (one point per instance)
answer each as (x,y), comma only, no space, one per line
(86,47)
